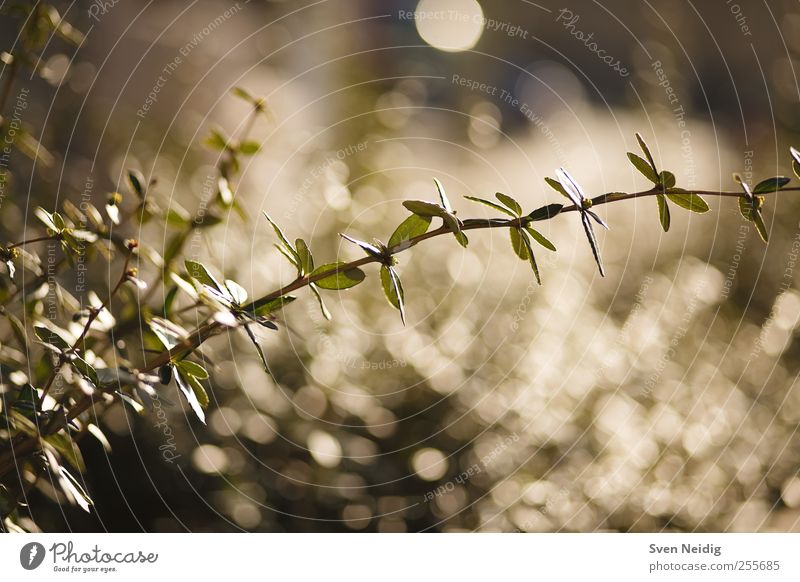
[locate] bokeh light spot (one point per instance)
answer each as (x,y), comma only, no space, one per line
(450,25)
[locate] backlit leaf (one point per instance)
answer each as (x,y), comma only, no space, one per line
(338,279)
(771,185)
(643,167)
(304,254)
(688,200)
(423,208)
(517,243)
(491,204)
(532,259)
(322,307)
(663,212)
(192,369)
(393,290)
(646,152)
(556,185)
(442,196)
(371,250)
(284,241)
(273,305)
(188,391)
(510,203)
(412,227)
(546,212)
(199,272)
(540,238)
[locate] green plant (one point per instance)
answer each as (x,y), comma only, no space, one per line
(41,427)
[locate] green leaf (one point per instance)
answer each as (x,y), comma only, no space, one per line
(73,488)
(242,94)
(371,250)
(746,208)
(532,259)
(393,290)
(771,185)
(50,337)
(509,202)
(325,313)
(547,212)
(592,238)
(273,305)
(137,183)
(216,141)
(199,391)
(462,239)
(340,279)
(284,241)
(192,369)
(294,260)
(688,200)
(200,273)
(491,204)
(412,227)
(645,168)
(758,220)
(663,212)
(236,291)
(518,244)
(540,238)
(192,397)
(667,179)
(46,218)
(556,185)
(646,152)
(260,352)
(68,449)
(249,148)
(442,196)
(423,208)
(306,259)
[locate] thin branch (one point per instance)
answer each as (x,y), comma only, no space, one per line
(34,240)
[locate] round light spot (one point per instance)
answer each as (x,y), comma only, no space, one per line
(325,449)
(429,464)
(450,25)
(210,459)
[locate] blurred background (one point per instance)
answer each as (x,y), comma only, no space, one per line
(662,397)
